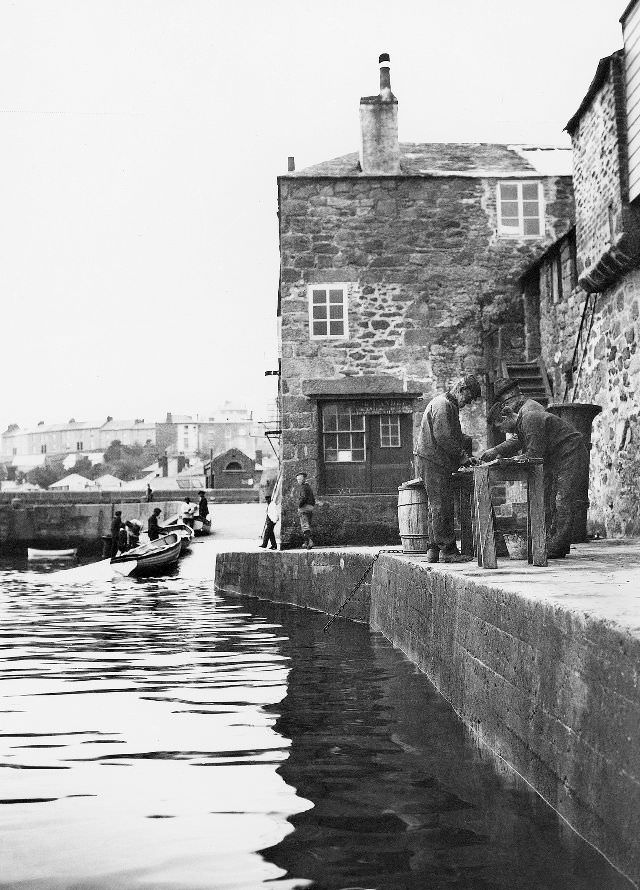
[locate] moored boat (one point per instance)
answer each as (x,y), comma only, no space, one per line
(34,554)
(152,558)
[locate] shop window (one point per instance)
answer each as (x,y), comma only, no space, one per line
(366,447)
(520,210)
(390,431)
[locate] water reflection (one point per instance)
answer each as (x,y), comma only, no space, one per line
(403,798)
(135,746)
(153,735)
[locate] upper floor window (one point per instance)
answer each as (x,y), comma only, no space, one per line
(43,449)
(79,446)
(328,311)
(520,209)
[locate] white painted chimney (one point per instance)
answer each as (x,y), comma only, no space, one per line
(379,146)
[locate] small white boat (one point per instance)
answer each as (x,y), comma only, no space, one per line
(34,554)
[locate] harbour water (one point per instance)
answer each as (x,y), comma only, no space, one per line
(155,735)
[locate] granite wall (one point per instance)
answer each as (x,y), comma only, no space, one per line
(427,276)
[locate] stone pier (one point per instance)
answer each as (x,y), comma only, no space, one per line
(541,664)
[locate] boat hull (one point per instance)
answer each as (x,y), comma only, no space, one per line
(33,554)
(153,558)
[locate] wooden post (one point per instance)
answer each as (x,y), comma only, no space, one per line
(466,522)
(484,519)
(537,529)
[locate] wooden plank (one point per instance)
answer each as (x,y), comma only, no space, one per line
(537,530)
(466,522)
(484,519)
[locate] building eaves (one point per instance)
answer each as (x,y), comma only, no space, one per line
(626,12)
(531,267)
(598,79)
(481,160)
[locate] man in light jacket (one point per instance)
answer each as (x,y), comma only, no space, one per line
(441,449)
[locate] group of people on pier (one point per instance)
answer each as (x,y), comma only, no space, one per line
(125,534)
(442,448)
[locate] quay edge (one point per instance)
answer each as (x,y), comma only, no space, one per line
(540,672)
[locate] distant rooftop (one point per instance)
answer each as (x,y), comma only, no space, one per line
(467,159)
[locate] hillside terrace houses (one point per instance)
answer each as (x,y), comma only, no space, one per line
(397,265)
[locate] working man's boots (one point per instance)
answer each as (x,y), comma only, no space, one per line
(452,554)
(433,554)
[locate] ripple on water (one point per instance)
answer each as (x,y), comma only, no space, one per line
(154,735)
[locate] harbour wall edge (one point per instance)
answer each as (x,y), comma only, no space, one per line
(551,691)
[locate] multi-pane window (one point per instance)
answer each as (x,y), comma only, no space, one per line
(520,209)
(390,431)
(43,449)
(327,311)
(344,435)
(78,446)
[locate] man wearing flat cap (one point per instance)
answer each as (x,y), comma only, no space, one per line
(540,434)
(442,447)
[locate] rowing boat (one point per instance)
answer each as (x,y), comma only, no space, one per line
(152,558)
(34,554)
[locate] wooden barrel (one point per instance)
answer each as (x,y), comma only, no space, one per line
(413,516)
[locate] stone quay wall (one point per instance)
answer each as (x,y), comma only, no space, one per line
(551,690)
(427,276)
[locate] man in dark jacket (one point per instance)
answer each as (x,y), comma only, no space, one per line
(306,503)
(153,528)
(203,506)
(116,525)
(566,459)
(442,447)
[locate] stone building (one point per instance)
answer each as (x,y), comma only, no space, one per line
(587,286)
(396,263)
(232,469)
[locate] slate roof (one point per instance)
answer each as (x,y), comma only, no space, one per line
(458,158)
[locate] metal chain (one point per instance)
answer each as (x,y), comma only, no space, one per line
(358,585)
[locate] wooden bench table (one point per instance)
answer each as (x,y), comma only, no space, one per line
(502,470)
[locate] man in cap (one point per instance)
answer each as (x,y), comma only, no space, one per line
(442,447)
(540,434)
(306,503)
(153,526)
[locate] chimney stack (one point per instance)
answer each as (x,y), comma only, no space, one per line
(379,146)
(291,164)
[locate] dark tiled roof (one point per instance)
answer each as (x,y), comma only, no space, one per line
(435,158)
(598,79)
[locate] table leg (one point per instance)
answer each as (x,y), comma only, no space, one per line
(485,538)
(466,523)
(537,530)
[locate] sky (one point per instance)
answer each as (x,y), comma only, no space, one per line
(140,144)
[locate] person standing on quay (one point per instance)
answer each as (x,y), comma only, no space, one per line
(203,507)
(116,525)
(306,503)
(441,449)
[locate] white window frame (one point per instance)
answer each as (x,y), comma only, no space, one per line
(393,433)
(359,429)
(513,231)
(327,286)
